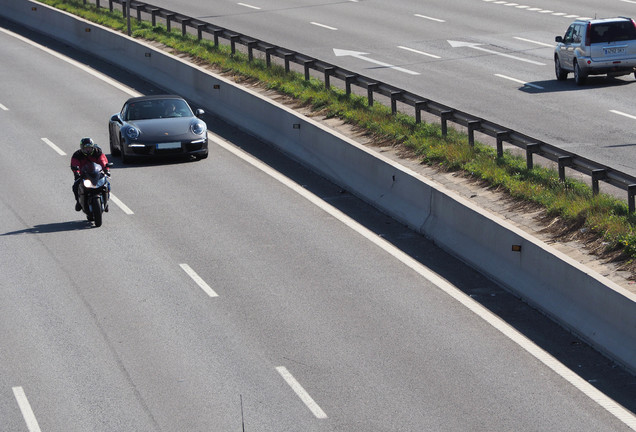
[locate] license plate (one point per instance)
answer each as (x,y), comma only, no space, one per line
(614,50)
(169,145)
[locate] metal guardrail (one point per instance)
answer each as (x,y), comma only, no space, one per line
(598,172)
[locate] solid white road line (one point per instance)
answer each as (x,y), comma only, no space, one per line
(623,114)
(418,52)
(195,277)
(27,412)
(506,329)
(323,26)
(519,81)
(302,394)
(121,205)
(430,18)
(54,147)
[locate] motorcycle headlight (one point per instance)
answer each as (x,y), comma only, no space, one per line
(88,183)
(198,128)
(132,133)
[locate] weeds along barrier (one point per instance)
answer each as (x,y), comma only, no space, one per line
(564,159)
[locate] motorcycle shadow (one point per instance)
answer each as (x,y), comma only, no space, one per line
(53,228)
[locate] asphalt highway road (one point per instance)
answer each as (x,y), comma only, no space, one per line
(244,293)
(490,58)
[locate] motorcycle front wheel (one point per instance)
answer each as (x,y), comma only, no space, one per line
(97,210)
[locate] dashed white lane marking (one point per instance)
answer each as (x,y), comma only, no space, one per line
(323,26)
(430,18)
(302,394)
(249,6)
(623,114)
(25,408)
(629,1)
(506,329)
(540,10)
(3,108)
(54,147)
(419,52)
(519,81)
(199,281)
(121,205)
(535,42)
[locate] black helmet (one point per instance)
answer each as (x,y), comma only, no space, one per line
(87,146)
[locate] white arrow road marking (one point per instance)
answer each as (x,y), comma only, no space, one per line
(25,408)
(302,394)
(361,56)
(476,46)
(519,81)
(195,277)
(54,147)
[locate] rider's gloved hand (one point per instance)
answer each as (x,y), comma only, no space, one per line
(76,174)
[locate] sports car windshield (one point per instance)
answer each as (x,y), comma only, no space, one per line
(157,108)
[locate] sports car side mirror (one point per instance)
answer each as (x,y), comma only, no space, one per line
(199,112)
(115,118)
(558,39)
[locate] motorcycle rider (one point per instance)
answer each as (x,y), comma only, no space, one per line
(87,153)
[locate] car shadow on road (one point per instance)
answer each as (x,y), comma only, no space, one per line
(555,86)
(53,228)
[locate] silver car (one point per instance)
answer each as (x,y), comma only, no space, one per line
(596,47)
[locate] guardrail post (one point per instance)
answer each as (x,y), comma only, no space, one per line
(348,80)
(153,14)
(445,116)
(200,28)
(169,17)
(97,5)
(124,3)
(138,9)
(268,55)
(184,26)
(233,40)
(250,50)
(307,64)
(598,174)
(394,98)
(288,58)
(530,150)
(472,125)
(564,161)
(110,5)
(501,137)
(370,88)
(418,110)
(631,193)
(216,34)
(328,72)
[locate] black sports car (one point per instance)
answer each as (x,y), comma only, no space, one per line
(157,125)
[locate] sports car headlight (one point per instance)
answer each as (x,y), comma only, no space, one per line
(132,133)
(198,128)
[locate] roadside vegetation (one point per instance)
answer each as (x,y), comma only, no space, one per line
(570,205)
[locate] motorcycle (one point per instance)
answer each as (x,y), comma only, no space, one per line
(94,191)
